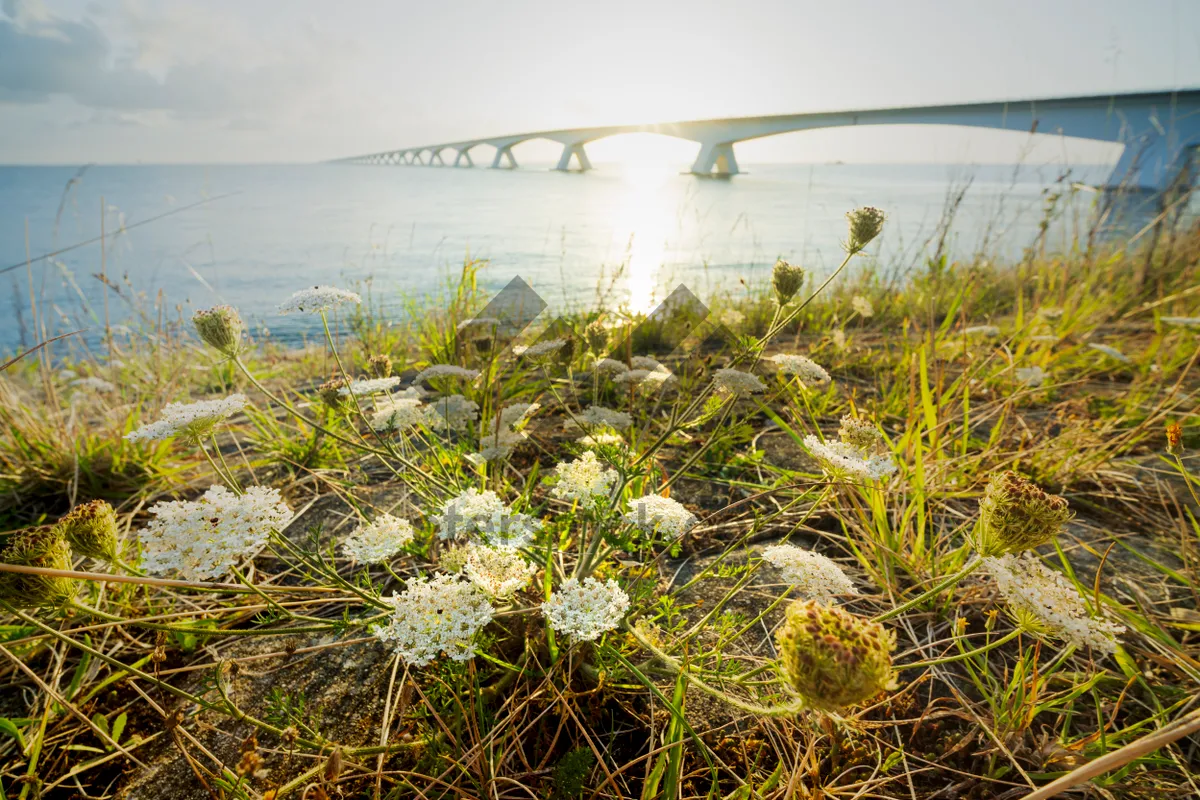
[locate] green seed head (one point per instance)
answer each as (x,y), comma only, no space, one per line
(1015,515)
(566,353)
(330,393)
(380,366)
(865,225)
(596,336)
(786,279)
(220,328)
(833,658)
(91,530)
(860,433)
(37,547)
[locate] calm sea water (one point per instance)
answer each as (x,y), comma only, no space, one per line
(641,230)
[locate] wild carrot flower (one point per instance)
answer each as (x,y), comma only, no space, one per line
(982,331)
(94,384)
(379,365)
(599,417)
(399,414)
(1044,603)
(601,440)
(331,395)
(862,306)
(809,372)
(205,538)
(512,416)
(609,366)
(435,371)
(220,328)
(860,452)
(91,529)
(453,412)
(484,516)
(832,658)
(839,339)
(378,540)
(655,513)
(36,547)
(193,421)
(815,576)
(585,610)
(865,225)
(318,299)
(543,349)
(648,363)
(583,479)
(652,378)
(595,335)
(498,571)
(435,616)
(737,383)
(1015,515)
(363,388)
(786,279)
(497,444)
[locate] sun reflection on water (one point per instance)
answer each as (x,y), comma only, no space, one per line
(641,230)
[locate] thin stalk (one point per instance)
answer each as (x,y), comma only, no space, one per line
(964,656)
(972,565)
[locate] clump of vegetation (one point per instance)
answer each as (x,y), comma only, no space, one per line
(926,539)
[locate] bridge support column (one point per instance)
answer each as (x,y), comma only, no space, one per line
(436,158)
(1152,171)
(564,161)
(504,154)
(463,155)
(718,156)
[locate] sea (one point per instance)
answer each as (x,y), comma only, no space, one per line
(165,240)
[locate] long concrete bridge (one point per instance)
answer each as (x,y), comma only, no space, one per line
(1160,131)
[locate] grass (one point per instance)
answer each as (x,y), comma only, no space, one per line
(270,684)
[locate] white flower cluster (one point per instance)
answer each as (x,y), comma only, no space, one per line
(985,331)
(362,388)
(485,515)
(317,299)
(646,362)
(193,420)
(453,412)
(844,459)
(435,616)
(206,537)
(1044,602)
(601,440)
(583,479)
(379,540)
(599,417)
(652,378)
(809,372)
(503,436)
(585,610)
(737,383)
(610,366)
(815,576)
(541,349)
(662,514)
(394,414)
(498,571)
(435,371)
(862,306)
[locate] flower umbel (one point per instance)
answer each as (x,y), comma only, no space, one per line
(815,576)
(318,299)
(1044,603)
(737,383)
(860,453)
(786,279)
(378,540)
(865,225)
(584,610)
(220,328)
(91,529)
(498,571)
(583,479)
(1015,515)
(832,658)
(655,513)
(205,538)
(36,547)
(809,372)
(435,616)
(193,421)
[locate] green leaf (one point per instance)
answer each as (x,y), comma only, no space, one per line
(10,727)
(118,726)
(100,721)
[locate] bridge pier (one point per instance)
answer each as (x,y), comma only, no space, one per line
(718,156)
(576,149)
(504,154)
(1153,170)
(463,155)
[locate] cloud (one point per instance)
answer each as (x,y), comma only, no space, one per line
(173,59)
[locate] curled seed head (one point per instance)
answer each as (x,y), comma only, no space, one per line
(220,328)
(865,225)
(832,658)
(37,547)
(596,336)
(380,366)
(91,529)
(1015,515)
(786,280)
(330,393)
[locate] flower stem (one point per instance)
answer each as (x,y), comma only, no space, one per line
(972,565)
(964,656)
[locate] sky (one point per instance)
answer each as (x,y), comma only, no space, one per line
(224,81)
